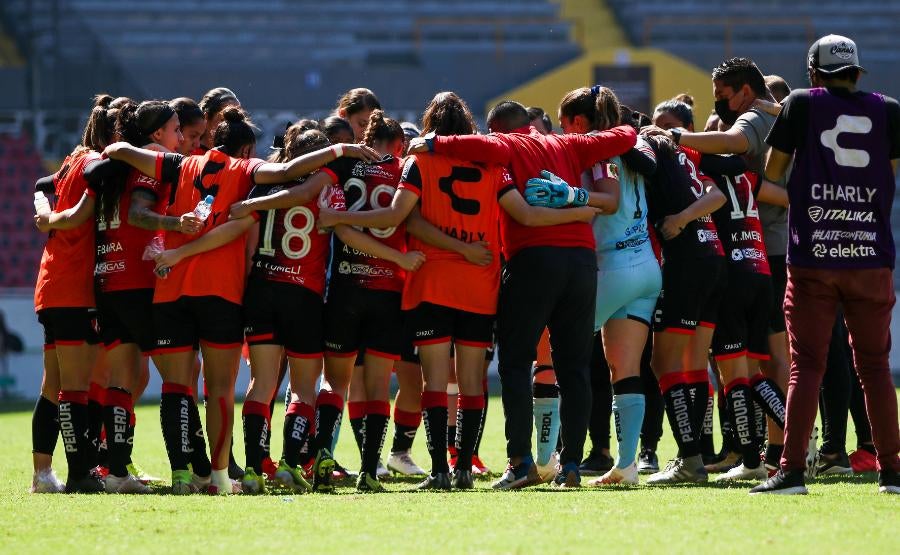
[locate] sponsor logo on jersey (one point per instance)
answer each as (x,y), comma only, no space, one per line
(838,235)
(707,235)
(843,251)
(818,214)
(425,333)
(747,254)
(632,243)
(344,267)
(109,267)
(843,193)
(107,248)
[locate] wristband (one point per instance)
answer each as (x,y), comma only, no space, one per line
(338,150)
(676,135)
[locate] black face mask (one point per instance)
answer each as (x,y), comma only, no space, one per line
(725,113)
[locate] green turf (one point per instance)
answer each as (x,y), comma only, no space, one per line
(840,515)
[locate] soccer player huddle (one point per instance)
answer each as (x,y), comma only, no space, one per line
(615,267)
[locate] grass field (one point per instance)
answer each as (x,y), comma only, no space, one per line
(841,515)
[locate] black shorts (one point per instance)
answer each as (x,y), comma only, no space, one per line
(430,323)
(69,326)
(744,317)
(357,318)
(187,322)
(284,314)
(691,293)
(778,267)
(126,317)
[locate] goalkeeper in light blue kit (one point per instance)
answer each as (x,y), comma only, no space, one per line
(628,277)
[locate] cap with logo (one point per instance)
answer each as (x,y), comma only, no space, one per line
(833,53)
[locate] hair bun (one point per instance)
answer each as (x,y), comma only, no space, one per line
(233,114)
(103,100)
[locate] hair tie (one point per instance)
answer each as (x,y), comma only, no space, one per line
(595,90)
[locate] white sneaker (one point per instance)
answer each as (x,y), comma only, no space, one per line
(221,484)
(381,471)
(401,462)
(741,472)
(812,454)
(548,471)
(616,475)
(128,484)
(45,481)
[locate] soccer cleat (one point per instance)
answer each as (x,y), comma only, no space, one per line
(888,482)
(438,482)
(139,473)
(709,459)
(462,479)
(92,483)
(452,456)
(648,463)
(45,481)
(322,472)
(596,464)
(381,471)
(616,475)
(478,467)
(339,473)
(235,472)
(839,463)
(522,475)
(812,454)
(366,483)
(680,470)
(291,478)
(252,483)
(200,483)
(782,483)
(400,462)
(128,484)
(741,472)
(101,471)
(568,477)
(269,468)
(183,482)
(862,460)
(730,461)
(548,471)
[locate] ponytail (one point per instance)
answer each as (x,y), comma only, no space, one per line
(99,129)
(597,104)
(382,129)
(235,131)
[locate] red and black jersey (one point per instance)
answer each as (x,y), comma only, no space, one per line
(739,225)
(290,248)
(676,185)
(120,246)
(368,187)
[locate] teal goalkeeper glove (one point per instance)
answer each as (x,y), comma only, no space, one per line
(552,192)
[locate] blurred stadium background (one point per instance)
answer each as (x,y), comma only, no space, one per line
(292,58)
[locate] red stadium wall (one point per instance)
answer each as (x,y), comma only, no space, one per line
(20,243)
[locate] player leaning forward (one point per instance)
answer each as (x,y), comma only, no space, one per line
(840,250)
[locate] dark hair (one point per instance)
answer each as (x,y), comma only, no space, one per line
(847,74)
(538,113)
(299,141)
(737,72)
(381,128)
(686,98)
(357,100)
(678,109)
(778,86)
(235,131)
(188,111)
(448,114)
(598,104)
(333,126)
(308,124)
(215,100)
(506,116)
(136,123)
(661,144)
(98,130)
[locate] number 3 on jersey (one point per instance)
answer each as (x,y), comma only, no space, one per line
(375,202)
(290,232)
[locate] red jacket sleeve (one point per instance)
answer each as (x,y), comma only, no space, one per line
(603,145)
(488,149)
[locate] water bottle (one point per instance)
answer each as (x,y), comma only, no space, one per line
(41,204)
(204,207)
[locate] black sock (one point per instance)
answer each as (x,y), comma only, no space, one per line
(769,397)
(374,430)
(329,407)
(434,416)
(175,421)
(678,408)
(95,429)
(255,417)
(698,388)
(44,426)
(706,431)
(73,424)
(268,449)
(759,421)
(117,417)
(451,430)
(297,421)
(740,408)
(468,420)
(356,411)
(484,411)
(199,458)
(729,443)
(773,455)
(406,424)
(130,437)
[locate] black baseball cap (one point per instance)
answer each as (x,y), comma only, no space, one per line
(833,53)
